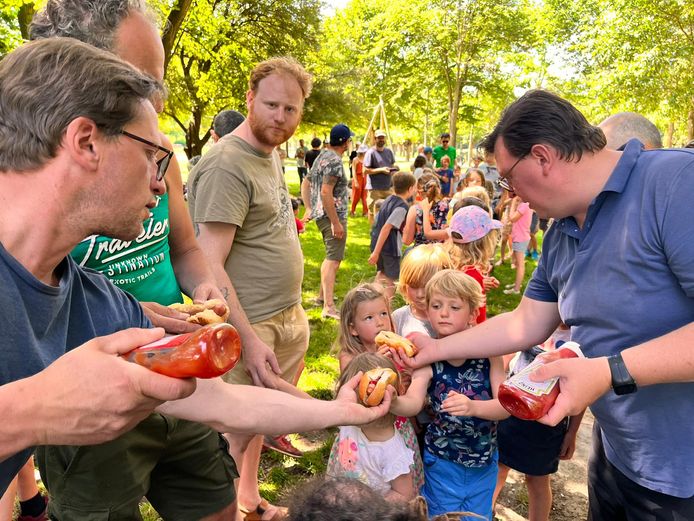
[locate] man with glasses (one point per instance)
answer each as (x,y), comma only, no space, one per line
(444,149)
(617,267)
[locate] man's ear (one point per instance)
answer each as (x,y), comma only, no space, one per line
(82,144)
(546,156)
(249,98)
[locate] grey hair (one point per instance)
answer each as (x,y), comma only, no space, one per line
(623,126)
(45,85)
(90,21)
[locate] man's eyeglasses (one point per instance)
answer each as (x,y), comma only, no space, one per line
(163,162)
(505,182)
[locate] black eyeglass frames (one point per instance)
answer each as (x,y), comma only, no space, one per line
(163,162)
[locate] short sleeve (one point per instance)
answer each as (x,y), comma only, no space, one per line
(222,196)
(397,217)
(398,460)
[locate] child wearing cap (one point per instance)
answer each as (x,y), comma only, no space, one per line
(472,239)
(359,182)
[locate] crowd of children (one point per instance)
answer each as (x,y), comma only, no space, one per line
(447,438)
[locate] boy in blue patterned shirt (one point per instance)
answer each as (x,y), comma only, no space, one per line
(460,453)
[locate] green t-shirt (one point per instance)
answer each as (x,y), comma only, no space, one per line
(141,267)
(236,184)
(439,152)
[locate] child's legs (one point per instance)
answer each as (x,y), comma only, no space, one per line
(364,204)
(387,283)
(539,497)
(519,257)
(500,481)
(388,267)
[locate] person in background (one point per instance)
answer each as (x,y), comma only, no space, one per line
(444,150)
(312,154)
(623,126)
(225,123)
(359,182)
(379,166)
(300,156)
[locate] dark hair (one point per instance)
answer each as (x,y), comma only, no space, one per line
(295,204)
(226,122)
(540,116)
(315,142)
(445,134)
(403,181)
(420,161)
(46,84)
(345,499)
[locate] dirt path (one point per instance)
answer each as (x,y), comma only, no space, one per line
(568,485)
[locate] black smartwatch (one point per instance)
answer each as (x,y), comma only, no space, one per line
(622,381)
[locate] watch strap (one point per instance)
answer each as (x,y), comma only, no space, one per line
(622,381)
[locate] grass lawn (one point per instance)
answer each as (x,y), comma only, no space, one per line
(279,473)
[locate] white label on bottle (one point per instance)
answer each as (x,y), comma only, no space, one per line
(522,381)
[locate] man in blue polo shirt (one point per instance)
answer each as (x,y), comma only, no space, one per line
(617,267)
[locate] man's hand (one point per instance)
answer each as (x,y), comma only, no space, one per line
(90,395)
(174,322)
(256,357)
(337,229)
(581,382)
(426,350)
(458,404)
(358,414)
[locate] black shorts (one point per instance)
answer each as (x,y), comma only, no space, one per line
(389,265)
(530,447)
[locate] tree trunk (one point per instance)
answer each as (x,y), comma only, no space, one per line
(174,22)
(690,123)
(668,134)
(24,16)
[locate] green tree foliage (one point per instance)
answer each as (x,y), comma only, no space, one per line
(217,44)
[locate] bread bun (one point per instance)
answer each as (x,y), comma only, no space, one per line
(203,313)
(397,342)
(373,385)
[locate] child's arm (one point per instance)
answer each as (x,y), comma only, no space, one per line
(401,488)
(413,400)
(382,236)
(429,233)
(460,405)
(344,359)
(568,446)
(409,229)
(288,388)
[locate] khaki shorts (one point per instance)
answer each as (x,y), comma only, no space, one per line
(334,247)
(287,335)
(183,468)
(377,195)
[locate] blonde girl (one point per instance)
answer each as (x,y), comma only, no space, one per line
(365,312)
(473,237)
(471,191)
(417,267)
(376,453)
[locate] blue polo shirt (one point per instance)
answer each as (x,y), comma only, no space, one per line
(627,277)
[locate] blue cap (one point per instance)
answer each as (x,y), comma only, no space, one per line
(428,150)
(340,134)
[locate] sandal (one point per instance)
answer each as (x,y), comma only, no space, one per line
(263,506)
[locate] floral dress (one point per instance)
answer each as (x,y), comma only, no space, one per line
(438,217)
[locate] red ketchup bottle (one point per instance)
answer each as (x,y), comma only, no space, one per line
(208,352)
(530,400)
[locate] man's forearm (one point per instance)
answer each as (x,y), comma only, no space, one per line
(665,359)
(528,325)
(245,409)
(237,316)
(191,269)
(329,206)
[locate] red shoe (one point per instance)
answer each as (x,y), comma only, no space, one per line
(43,516)
(283,445)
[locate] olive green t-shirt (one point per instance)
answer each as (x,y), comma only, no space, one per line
(236,184)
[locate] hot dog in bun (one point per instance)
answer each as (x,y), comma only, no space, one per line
(374,383)
(390,339)
(203,313)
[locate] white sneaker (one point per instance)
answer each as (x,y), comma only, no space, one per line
(512,291)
